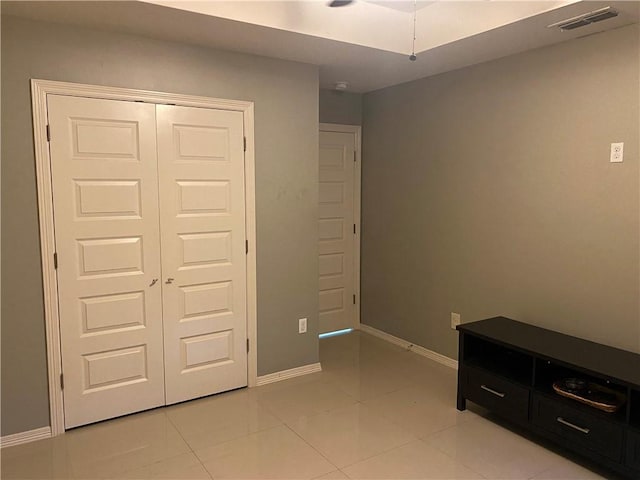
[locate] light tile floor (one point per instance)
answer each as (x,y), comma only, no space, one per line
(375,411)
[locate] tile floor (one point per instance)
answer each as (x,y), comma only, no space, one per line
(375,411)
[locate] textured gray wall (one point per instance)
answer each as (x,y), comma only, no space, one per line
(340,107)
(286,135)
(488,191)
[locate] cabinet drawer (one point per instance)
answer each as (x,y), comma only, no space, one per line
(578,428)
(499,395)
(633,449)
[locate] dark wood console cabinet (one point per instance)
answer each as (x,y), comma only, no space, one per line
(509,367)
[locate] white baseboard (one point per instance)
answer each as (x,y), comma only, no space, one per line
(25,437)
(285,374)
(425,352)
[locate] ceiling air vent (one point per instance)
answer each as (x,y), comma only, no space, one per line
(585,19)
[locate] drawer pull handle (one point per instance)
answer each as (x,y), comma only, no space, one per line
(491,390)
(571,425)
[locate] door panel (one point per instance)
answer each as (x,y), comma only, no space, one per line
(201,165)
(104,177)
(335,231)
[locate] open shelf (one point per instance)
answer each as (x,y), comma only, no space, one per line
(548,372)
(508,363)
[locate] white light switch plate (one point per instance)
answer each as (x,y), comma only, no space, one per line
(302,325)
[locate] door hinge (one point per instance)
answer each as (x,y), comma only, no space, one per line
(48,134)
(354,156)
(246,247)
(354,228)
(61,381)
(55,260)
(354,298)
(244,143)
(247,345)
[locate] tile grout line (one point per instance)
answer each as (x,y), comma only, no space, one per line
(206,469)
(179,433)
(262,431)
(362,403)
(422,440)
(435,432)
(234,440)
(313,448)
(188,445)
(329,382)
(464,464)
(413,439)
(381,453)
(144,465)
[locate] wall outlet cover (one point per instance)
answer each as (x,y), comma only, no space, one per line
(455,320)
(302,325)
(617,152)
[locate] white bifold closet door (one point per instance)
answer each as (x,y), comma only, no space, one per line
(149,233)
(202,218)
(105,188)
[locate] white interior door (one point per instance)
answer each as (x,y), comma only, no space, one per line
(104,177)
(201,165)
(336,231)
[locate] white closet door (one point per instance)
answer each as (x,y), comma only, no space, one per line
(201,169)
(104,169)
(336,234)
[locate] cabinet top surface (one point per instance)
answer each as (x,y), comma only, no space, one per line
(608,361)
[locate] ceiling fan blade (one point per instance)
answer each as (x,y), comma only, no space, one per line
(339,3)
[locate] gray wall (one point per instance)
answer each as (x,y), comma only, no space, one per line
(488,191)
(340,107)
(286,128)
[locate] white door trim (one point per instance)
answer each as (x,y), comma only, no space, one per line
(357,131)
(39,91)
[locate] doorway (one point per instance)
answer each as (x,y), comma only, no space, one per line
(339,227)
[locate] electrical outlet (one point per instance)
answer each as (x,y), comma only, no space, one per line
(617,152)
(455,320)
(302,325)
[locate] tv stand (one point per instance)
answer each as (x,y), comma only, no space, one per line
(509,368)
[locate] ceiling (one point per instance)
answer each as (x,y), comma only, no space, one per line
(366,44)
(406,6)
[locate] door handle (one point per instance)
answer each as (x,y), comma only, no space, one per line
(169,280)
(153,282)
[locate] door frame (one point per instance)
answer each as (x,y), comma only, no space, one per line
(357,188)
(39,91)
